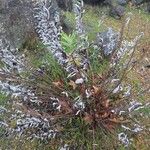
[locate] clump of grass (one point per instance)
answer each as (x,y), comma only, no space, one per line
(3,99)
(1,65)
(39,59)
(95,120)
(98,64)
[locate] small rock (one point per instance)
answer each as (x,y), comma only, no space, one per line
(147,66)
(148,7)
(137,2)
(122,2)
(65,4)
(117,11)
(93,2)
(17,21)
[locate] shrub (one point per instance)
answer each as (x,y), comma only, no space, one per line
(71,96)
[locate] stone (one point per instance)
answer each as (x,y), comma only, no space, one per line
(148,7)
(108,2)
(122,2)
(66,5)
(117,11)
(137,2)
(16,20)
(93,2)
(116,2)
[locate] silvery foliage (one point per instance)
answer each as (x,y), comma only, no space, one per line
(32,127)
(78,7)
(79,104)
(131,110)
(135,128)
(48,28)
(3,123)
(2,109)
(108,41)
(122,137)
(41,126)
(79,11)
(13,65)
(65,147)
(128,47)
(8,56)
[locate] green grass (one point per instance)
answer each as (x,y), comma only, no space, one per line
(1,65)
(145,111)
(3,98)
(69,42)
(38,57)
(99,67)
(84,138)
(3,103)
(54,69)
(17,143)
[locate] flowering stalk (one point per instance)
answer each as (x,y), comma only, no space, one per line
(83,43)
(48,27)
